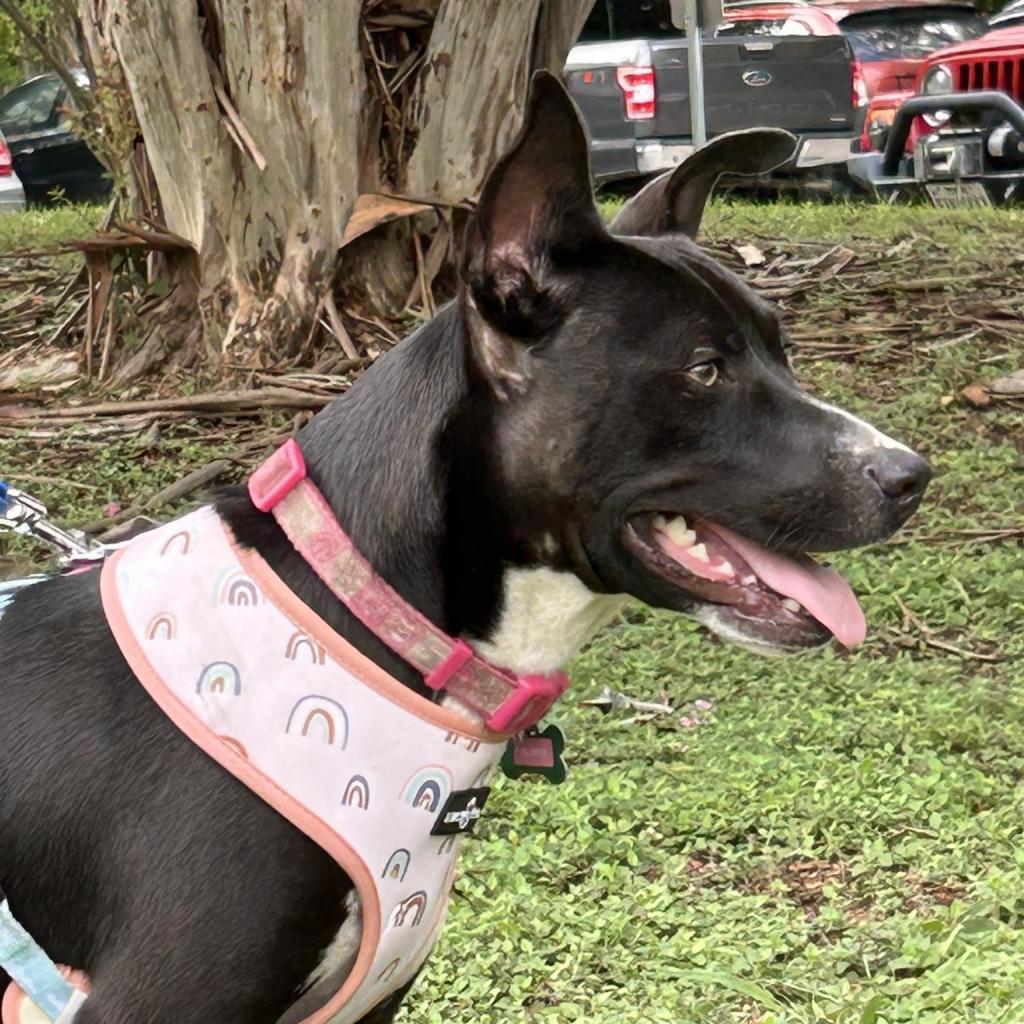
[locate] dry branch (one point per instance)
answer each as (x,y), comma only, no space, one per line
(220,403)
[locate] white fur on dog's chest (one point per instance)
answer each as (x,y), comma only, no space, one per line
(547,618)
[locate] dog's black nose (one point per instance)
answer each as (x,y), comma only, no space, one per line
(900,475)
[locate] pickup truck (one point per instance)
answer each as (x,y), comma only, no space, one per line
(629,74)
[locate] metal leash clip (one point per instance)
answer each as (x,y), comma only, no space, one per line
(25,515)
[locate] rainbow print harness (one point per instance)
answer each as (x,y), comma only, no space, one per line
(268,690)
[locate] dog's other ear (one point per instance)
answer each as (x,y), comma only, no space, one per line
(536,203)
(674,202)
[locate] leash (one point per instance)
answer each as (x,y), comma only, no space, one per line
(36,977)
(26,516)
(34,972)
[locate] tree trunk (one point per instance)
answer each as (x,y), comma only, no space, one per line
(263,122)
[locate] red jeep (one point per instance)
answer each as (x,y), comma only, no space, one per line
(960,139)
(892,38)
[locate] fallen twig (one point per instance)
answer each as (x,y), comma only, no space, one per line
(214,403)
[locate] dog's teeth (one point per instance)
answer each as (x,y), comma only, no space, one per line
(677,532)
(700,552)
(749,581)
(660,522)
(791,605)
(724,566)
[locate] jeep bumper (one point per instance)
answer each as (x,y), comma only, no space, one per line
(955,162)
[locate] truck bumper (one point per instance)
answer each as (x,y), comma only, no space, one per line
(815,152)
(955,166)
(613,160)
(12,195)
(656,155)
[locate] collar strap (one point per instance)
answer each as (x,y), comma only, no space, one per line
(507,703)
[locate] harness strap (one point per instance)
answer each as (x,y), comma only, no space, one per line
(507,703)
(31,969)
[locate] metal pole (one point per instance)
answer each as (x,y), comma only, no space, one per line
(695,60)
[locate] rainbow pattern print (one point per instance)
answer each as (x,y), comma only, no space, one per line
(357,761)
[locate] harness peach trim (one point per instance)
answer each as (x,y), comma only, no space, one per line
(163,579)
(300,816)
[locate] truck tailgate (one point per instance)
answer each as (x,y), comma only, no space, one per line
(804,85)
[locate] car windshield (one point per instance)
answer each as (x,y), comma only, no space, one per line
(909,35)
(629,19)
(1011,14)
(764,27)
(30,107)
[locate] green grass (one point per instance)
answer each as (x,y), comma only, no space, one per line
(40,228)
(839,839)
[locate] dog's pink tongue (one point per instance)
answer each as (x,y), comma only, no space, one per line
(822,591)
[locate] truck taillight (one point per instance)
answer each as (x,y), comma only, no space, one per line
(861,97)
(637,85)
(6,167)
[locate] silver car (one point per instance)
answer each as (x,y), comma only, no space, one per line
(12,195)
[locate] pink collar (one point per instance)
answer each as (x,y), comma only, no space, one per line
(507,703)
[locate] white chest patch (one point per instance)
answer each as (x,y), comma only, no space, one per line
(547,618)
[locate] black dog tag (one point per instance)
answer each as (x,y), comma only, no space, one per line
(536,753)
(459,815)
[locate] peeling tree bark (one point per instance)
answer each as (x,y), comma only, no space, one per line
(261,121)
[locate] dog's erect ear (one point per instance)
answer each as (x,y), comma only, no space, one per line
(674,202)
(536,203)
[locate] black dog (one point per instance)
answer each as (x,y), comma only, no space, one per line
(589,418)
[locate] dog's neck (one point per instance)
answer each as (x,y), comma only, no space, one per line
(403,460)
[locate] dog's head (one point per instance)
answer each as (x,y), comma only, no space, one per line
(649,433)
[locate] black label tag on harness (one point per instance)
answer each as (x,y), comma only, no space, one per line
(460,813)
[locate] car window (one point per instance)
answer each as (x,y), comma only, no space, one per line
(1010,15)
(909,35)
(30,107)
(764,27)
(610,20)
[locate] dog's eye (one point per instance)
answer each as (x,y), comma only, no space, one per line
(704,373)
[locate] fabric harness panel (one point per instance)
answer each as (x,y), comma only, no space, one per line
(348,754)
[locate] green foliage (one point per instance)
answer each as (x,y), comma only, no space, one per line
(839,842)
(15,53)
(40,228)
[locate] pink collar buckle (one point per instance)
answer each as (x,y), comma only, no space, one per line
(278,476)
(528,703)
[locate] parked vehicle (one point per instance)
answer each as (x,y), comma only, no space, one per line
(960,139)
(1011,15)
(892,38)
(12,195)
(769,65)
(48,156)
